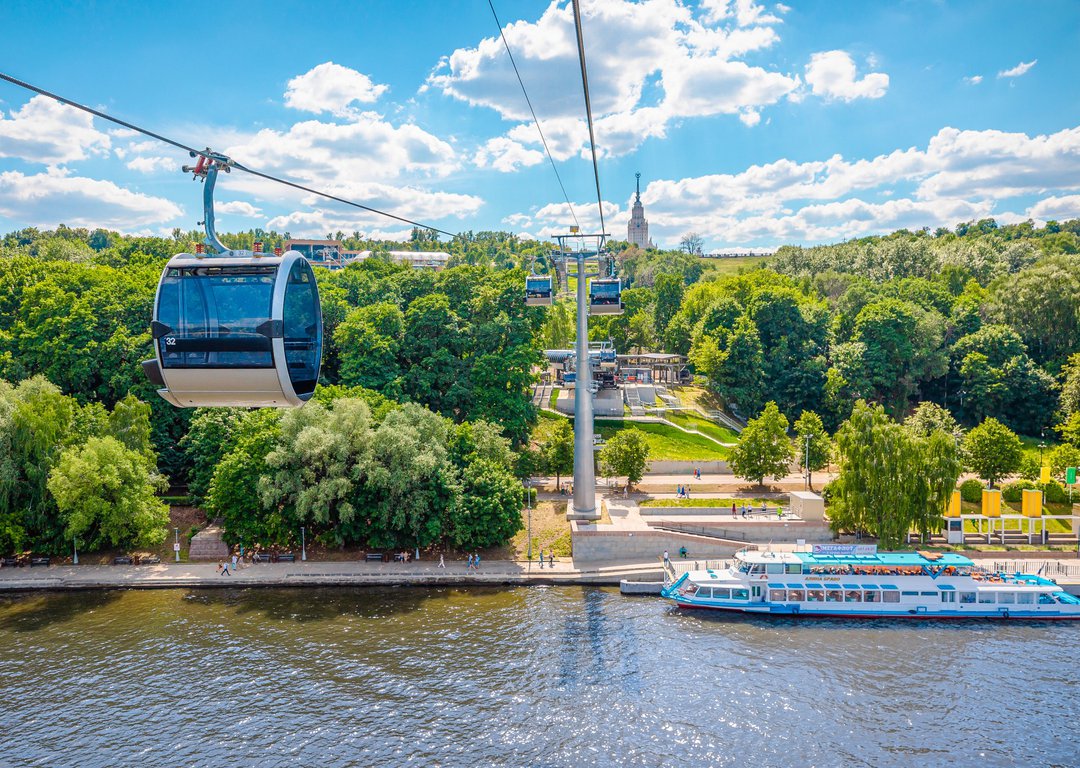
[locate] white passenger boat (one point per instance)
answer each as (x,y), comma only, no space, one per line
(859,581)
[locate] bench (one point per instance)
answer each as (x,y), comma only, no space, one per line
(286,557)
(374,557)
(8,562)
(261,557)
(38,561)
(150,560)
(123,560)
(401,557)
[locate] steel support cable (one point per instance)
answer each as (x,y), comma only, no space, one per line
(588,109)
(204,153)
(532,111)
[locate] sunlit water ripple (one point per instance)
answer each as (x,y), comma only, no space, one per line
(528,676)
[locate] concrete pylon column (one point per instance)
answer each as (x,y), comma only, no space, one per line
(584,472)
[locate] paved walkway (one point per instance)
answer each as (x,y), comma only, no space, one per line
(314,573)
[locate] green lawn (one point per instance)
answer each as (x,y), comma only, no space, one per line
(704,426)
(553,398)
(666,443)
(1031,445)
(1052,525)
(692,502)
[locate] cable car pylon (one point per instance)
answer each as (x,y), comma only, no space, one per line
(580,249)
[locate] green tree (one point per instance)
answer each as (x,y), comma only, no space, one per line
(812,445)
(1070,385)
(489,512)
(929,417)
(669,290)
(107,497)
(369,342)
(233,493)
(1070,429)
(1063,456)
(559,451)
(993,450)
(208,441)
(625,454)
(763,448)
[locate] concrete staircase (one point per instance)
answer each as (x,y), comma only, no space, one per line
(208,545)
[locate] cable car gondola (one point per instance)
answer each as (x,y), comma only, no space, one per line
(538,291)
(235,328)
(605,296)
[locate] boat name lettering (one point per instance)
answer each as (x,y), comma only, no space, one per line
(845,549)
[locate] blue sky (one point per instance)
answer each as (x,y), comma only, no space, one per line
(753,124)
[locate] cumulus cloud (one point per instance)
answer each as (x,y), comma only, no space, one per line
(506,155)
(832,75)
(331,88)
(44,131)
(49,199)
(151,164)
(239,208)
(958,175)
(973,79)
(1019,70)
(650,63)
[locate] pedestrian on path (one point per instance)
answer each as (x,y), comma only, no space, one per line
(223,568)
(697,473)
(442,562)
(469,568)
(478,562)
(234,558)
(733,509)
(551,558)
(541,557)
(745,510)
(764,509)
(667,560)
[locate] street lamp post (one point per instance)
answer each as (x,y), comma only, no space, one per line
(75,548)
(808,462)
(528,502)
(303,545)
(176,544)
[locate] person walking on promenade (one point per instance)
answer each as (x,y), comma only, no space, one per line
(442,562)
(733,509)
(541,557)
(667,560)
(223,568)
(234,559)
(469,567)
(764,509)
(551,558)
(477,562)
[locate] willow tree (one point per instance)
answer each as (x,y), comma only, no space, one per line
(890,481)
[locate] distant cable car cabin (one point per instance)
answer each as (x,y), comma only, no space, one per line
(538,291)
(236,329)
(605,296)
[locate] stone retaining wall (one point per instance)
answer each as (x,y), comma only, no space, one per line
(610,546)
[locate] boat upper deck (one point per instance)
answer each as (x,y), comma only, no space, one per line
(868,558)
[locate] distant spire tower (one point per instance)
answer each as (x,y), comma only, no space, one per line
(637,229)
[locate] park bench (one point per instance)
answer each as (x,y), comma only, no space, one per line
(8,562)
(38,561)
(286,557)
(123,560)
(401,557)
(149,560)
(261,557)
(374,557)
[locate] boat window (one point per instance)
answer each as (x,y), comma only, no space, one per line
(744,568)
(967,597)
(1026,598)
(796,595)
(853,596)
(929,594)
(986,597)
(1045,599)
(907,593)
(740,594)
(721,593)
(774,568)
(890,596)
(948,597)
(815,595)
(872,596)
(793,568)
(1007,597)
(777,595)
(834,596)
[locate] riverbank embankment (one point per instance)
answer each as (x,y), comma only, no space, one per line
(320,574)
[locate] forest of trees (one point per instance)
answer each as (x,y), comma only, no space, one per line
(426,376)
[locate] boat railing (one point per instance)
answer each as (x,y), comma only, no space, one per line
(676,568)
(1044,568)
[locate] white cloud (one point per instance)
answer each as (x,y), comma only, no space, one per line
(750,117)
(973,80)
(1020,69)
(506,155)
(332,88)
(557,218)
(831,74)
(49,199)
(44,131)
(650,63)
(1056,208)
(239,208)
(151,164)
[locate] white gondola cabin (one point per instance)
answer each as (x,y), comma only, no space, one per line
(238,329)
(605,296)
(538,292)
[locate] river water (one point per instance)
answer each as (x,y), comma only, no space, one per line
(526,676)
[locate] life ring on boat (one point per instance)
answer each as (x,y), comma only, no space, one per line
(1005,614)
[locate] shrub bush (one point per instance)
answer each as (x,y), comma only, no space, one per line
(1054,493)
(1013,492)
(971,491)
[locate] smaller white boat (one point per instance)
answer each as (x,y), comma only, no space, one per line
(853,581)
